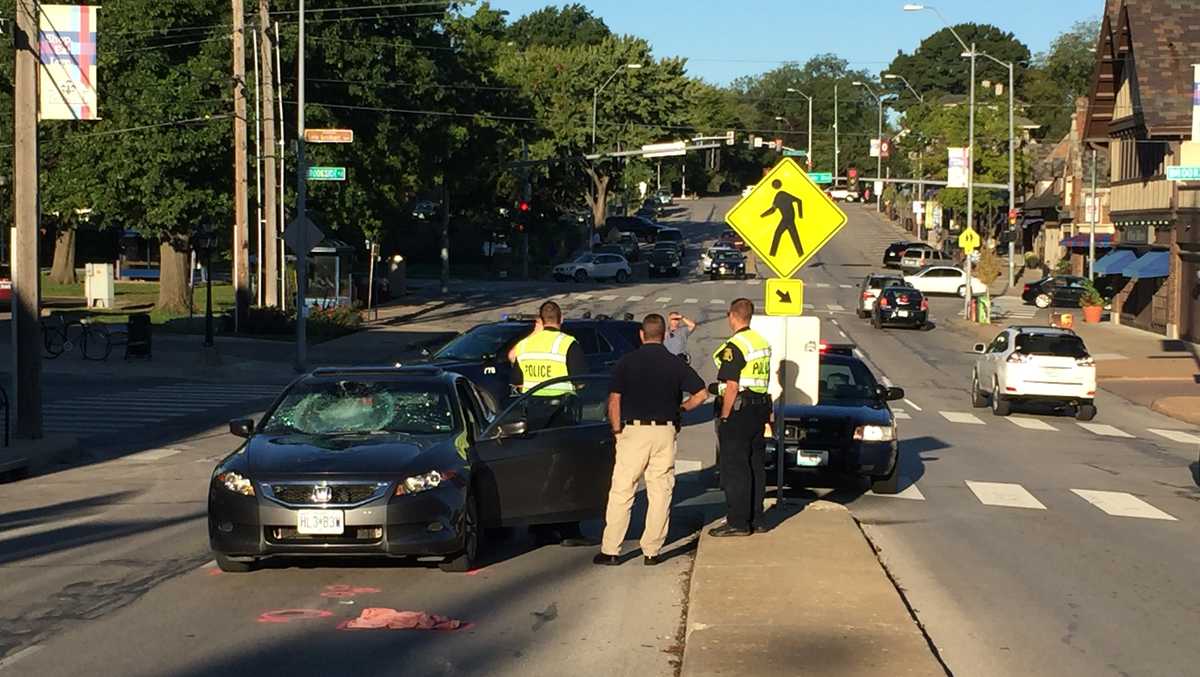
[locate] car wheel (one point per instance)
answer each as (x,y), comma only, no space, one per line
(622,277)
(233,566)
(888,485)
(581,276)
(876,322)
(1085,412)
(472,539)
(1000,404)
(1042,301)
(977,399)
(862,314)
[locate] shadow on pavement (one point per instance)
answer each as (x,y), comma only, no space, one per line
(58,511)
(78,535)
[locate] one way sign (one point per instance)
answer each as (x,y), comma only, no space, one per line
(785,296)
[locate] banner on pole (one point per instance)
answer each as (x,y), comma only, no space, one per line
(956,174)
(67,77)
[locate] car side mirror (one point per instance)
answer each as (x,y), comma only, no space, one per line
(242,427)
(894,394)
(515,428)
(980,348)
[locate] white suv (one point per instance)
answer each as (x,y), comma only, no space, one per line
(595,267)
(1035,364)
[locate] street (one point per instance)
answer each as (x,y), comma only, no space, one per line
(1030,545)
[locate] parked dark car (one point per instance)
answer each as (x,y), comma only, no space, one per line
(894,252)
(631,247)
(673,236)
(1064,291)
(481,353)
(664,259)
(900,306)
(405,463)
(731,263)
(851,429)
(644,229)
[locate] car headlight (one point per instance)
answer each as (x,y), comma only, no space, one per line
(236,482)
(875,433)
(424,482)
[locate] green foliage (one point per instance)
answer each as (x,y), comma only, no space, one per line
(990,267)
(1060,76)
(1063,267)
(937,67)
(1091,296)
(326,323)
(1032,261)
(559,27)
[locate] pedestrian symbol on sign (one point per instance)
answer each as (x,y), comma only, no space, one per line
(783,203)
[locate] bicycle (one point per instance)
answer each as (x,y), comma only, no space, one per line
(95,340)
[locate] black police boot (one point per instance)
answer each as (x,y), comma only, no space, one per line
(726,530)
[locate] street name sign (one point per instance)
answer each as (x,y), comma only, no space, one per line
(1183,173)
(786,219)
(329,136)
(326,173)
(821,177)
(785,297)
(968,240)
(790,152)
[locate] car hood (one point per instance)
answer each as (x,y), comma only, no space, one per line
(863,414)
(282,455)
(661,256)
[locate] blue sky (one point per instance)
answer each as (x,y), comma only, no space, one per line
(724,39)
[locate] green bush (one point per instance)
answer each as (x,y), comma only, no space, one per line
(334,322)
(1063,267)
(1091,296)
(1032,261)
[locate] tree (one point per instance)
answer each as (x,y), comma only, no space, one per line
(571,25)
(1060,76)
(937,66)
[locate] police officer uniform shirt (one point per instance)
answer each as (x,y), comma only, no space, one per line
(732,362)
(651,381)
(575,361)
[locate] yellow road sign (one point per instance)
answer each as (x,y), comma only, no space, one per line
(786,218)
(968,240)
(785,296)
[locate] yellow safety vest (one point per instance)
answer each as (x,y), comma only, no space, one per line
(543,357)
(756,375)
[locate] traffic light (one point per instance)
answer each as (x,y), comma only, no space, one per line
(522,216)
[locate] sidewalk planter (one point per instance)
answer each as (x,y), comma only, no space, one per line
(1091,314)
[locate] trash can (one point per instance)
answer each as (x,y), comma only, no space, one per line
(983,310)
(140,334)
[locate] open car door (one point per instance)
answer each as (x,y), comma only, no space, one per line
(549,456)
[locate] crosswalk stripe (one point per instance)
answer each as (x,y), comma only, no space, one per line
(150,455)
(1176,436)
(560,296)
(834,306)
(708,282)
(961,417)
(821,285)
(717,302)
(584,297)
(663,299)
(1004,494)
(691,300)
(609,297)
(901,416)
(634,299)
(846,286)
(1031,423)
(911,493)
(809,306)
(730,281)
(754,283)
(1121,504)
(1103,429)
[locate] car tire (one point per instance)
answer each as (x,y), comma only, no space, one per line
(622,277)
(1042,301)
(876,322)
(581,276)
(233,566)
(1000,404)
(977,398)
(862,314)
(887,485)
(1085,412)
(465,559)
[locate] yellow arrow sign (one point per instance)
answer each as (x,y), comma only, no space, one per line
(786,218)
(785,297)
(968,240)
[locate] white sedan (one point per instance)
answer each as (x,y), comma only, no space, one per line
(594,267)
(944,280)
(710,255)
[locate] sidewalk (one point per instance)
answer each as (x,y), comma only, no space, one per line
(809,597)
(26,457)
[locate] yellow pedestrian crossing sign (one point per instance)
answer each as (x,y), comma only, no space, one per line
(786,218)
(785,297)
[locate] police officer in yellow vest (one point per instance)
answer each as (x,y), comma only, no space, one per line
(743,378)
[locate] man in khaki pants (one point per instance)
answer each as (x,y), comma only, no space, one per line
(644,409)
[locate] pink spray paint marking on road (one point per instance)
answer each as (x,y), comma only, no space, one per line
(289,615)
(345,591)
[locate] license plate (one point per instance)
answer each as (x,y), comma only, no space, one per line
(321,522)
(812,459)
(901,313)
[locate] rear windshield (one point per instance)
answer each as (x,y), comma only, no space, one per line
(482,342)
(885,282)
(1058,346)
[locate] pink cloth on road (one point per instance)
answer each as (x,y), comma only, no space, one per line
(391,619)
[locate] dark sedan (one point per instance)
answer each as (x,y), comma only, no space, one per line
(1065,290)
(850,430)
(664,259)
(895,252)
(481,353)
(729,263)
(900,306)
(405,462)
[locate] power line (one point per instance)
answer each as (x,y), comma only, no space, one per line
(141,128)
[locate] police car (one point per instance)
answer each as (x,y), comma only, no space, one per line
(481,353)
(851,429)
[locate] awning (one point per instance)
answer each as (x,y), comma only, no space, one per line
(1115,262)
(1102,240)
(1151,264)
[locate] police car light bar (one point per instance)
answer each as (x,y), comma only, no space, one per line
(828,348)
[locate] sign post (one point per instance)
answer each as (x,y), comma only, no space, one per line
(786,219)
(968,241)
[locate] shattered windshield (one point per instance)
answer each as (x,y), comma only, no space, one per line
(363,407)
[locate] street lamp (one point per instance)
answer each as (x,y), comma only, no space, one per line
(878,140)
(920,151)
(970,53)
(1012,194)
(204,242)
(596,94)
(793,90)
(901,78)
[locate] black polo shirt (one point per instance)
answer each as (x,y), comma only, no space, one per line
(652,383)
(732,361)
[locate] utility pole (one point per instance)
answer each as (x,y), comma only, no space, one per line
(1092,224)
(301,210)
(271,224)
(241,180)
(837,150)
(969,297)
(26,300)
(279,246)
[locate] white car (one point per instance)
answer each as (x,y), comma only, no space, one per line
(594,267)
(710,254)
(944,280)
(868,291)
(1035,364)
